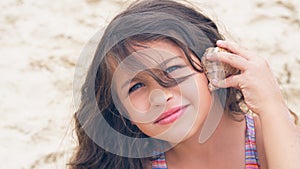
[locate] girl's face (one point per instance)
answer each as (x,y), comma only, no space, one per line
(172,113)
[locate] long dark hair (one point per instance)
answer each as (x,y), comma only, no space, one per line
(157,20)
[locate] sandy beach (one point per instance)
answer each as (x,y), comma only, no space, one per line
(42,41)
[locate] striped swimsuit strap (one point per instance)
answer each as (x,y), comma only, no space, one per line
(251,157)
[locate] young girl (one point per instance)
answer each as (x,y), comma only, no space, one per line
(146,100)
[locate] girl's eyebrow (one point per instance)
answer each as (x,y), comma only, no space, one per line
(127,82)
(159,65)
(168,60)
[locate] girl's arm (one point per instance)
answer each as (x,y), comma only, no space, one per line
(262,95)
(281,138)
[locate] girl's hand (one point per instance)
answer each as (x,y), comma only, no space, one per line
(256,81)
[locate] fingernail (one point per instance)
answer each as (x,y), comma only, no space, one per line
(220,41)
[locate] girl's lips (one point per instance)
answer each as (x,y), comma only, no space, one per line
(170,115)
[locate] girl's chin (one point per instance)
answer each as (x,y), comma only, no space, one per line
(177,136)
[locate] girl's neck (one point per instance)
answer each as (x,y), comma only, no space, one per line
(228,135)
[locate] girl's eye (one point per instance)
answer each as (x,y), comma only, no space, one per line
(173,68)
(178,71)
(135,87)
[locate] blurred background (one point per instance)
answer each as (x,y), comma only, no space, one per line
(40,44)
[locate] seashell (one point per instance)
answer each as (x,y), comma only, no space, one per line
(216,70)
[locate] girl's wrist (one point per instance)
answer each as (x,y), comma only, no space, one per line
(276,113)
(273,106)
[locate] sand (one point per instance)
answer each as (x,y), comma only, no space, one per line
(41,42)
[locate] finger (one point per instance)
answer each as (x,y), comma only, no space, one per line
(233,60)
(231,81)
(234,48)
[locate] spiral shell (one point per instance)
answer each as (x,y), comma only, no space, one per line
(216,70)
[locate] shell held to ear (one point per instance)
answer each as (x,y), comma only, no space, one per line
(216,70)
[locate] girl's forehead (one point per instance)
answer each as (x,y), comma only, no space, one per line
(163,45)
(152,55)
(155,55)
(157,52)
(148,54)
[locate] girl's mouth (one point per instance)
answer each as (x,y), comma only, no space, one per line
(171,115)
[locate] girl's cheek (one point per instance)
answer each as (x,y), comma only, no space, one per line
(139,101)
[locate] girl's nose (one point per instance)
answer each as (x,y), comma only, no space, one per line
(160,96)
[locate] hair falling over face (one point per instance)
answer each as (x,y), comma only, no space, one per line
(96,97)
